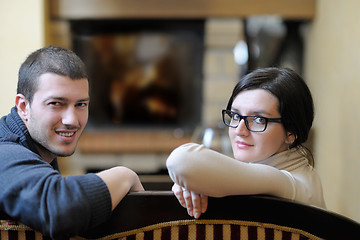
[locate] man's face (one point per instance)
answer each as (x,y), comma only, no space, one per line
(58,114)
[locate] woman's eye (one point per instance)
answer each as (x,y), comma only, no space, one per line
(236,117)
(259,120)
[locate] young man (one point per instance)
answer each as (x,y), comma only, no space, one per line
(50,113)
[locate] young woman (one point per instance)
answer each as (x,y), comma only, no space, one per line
(269,116)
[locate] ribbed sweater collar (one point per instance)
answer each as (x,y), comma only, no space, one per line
(288,160)
(12,128)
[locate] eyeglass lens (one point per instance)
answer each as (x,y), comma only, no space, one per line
(253,123)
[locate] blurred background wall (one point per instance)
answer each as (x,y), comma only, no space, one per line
(22,31)
(331,68)
(332,59)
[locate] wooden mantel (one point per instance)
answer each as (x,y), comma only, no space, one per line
(139,141)
(110,9)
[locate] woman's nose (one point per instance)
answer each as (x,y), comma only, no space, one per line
(241,129)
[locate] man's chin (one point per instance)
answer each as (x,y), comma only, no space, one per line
(65,154)
(48,152)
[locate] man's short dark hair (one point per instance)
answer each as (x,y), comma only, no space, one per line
(50,59)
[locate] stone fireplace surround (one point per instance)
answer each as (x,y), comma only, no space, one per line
(146,152)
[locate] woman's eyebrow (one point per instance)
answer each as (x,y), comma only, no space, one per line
(256,112)
(262,112)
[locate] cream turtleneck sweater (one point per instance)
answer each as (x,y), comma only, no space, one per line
(287,174)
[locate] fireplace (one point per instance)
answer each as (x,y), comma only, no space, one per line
(143,73)
(199,40)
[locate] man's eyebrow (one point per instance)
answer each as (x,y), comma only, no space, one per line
(55,98)
(65,99)
(84,100)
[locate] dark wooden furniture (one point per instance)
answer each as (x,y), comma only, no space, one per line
(141,210)
(158,215)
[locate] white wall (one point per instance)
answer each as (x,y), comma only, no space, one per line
(21,33)
(332,66)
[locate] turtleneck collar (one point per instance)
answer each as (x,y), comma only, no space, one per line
(288,160)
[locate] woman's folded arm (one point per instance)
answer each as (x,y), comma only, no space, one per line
(208,172)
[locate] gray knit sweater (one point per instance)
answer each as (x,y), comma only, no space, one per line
(36,194)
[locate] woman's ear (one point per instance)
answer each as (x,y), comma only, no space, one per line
(290,138)
(22,106)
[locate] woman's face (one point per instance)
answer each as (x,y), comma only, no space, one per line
(253,146)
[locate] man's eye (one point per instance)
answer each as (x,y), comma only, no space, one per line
(55,103)
(84,104)
(259,120)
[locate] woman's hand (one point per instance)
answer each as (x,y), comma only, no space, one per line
(195,203)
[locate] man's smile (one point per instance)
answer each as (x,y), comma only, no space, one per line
(66,134)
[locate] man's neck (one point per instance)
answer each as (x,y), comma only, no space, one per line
(45,154)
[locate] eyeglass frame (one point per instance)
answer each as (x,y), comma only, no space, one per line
(267,120)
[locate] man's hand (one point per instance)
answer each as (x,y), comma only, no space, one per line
(195,203)
(120,181)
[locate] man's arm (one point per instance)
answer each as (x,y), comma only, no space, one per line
(120,181)
(32,192)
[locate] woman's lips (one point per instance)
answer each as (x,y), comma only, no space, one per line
(243,145)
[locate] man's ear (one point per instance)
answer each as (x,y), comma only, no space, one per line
(22,106)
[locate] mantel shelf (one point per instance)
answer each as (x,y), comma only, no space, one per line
(110,9)
(160,141)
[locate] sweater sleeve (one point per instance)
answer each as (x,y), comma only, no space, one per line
(32,192)
(211,173)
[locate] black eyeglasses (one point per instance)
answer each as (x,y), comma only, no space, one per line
(252,123)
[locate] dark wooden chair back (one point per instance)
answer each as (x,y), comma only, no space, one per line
(158,215)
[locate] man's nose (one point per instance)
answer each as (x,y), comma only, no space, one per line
(69,117)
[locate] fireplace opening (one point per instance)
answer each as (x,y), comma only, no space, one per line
(143,73)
